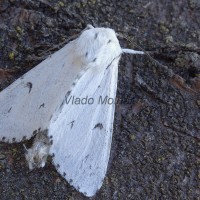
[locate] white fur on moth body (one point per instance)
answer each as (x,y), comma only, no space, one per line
(81,134)
(37,155)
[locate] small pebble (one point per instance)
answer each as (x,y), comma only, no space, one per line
(2,156)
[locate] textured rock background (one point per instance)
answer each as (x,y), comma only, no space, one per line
(155,150)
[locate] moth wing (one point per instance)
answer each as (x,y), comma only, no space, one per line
(29,102)
(82,133)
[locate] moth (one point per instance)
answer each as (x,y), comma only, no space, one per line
(77,135)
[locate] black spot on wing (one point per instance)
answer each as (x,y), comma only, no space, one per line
(42,105)
(14,139)
(24,138)
(113,60)
(57,165)
(64,174)
(34,132)
(9,109)
(70,180)
(30,85)
(86,157)
(86,54)
(99,125)
(109,41)
(61,105)
(72,123)
(95,36)
(94,59)
(68,93)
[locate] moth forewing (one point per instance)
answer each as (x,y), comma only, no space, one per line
(87,145)
(29,103)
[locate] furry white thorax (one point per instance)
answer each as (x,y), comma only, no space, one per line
(97,47)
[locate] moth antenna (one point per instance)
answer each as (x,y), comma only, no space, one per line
(134,44)
(48,51)
(170,73)
(131,51)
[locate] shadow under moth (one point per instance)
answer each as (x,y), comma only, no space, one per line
(77,134)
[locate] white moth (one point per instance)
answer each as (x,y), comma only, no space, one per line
(71,94)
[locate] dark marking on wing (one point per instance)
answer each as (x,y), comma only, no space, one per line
(68,93)
(74,83)
(94,59)
(50,117)
(63,65)
(34,132)
(86,54)
(64,174)
(10,109)
(96,35)
(99,125)
(86,157)
(24,138)
(92,174)
(61,105)
(72,123)
(70,180)
(39,129)
(51,136)
(98,86)
(42,105)
(112,61)
(30,85)
(13,139)
(51,142)
(109,41)
(57,165)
